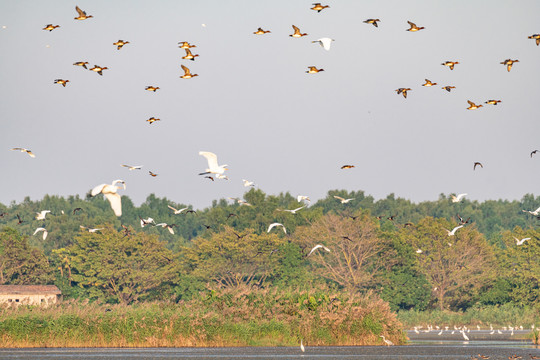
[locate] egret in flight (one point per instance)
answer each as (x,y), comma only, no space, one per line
(110,192)
(213,167)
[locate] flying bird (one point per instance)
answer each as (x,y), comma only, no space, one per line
(313,70)
(429,83)
(509,63)
(473,106)
(41,215)
(453,232)
(324,42)
(153,120)
(260,31)
(187,73)
(248,183)
(294,210)
(403,91)
(110,192)
(448,88)
(82,14)
(99,69)
(520,242)
(61,82)
(120,43)
(151,88)
(413,27)
(535,37)
(24,150)
(319,246)
(492,102)
(534,152)
(344,167)
(343,201)
(189,55)
(535,212)
(81,63)
(19,220)
(76,210)
(169,227)
(51,27)
(130,167)
(297,32)
(91,230)
(152,174)
(477,164)
(177,211)
(458,198)
(303,198)
(148,221)
(213,167)
(276,224)
(318,7)
(450,64)
(45,232)
(372,21)
(186,45)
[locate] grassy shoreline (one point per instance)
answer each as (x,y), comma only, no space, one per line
(218,319)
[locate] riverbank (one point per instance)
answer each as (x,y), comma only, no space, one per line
(217,319)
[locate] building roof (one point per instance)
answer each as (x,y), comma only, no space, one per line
(29,290)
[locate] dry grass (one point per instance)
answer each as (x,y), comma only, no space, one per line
(239,317)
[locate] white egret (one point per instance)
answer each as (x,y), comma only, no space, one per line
(300,198)
(343,201)
(110,193)
(386,341)
(92,230)
(213,167)
(419,251)
(276,224)
(169,227)
(148,221)
(453,232)
(45,232)
(324,42)
(464,335)
(535,212)
(302,346)
(318,247)
(248,183)
(177,211)
(458,198)
(130,167)
(294,210)
(520,242)
(41,215)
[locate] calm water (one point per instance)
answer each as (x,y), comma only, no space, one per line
(425,351)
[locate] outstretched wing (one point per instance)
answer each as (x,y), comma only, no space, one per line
(211,158)
(97,189)
(116,203)
(79,11)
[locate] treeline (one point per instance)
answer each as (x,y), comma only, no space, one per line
(391,247)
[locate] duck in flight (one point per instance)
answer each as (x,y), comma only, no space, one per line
(99,69)
(186,45)
(82,14)
(450,64)
(473,106)
(413,27)
(477,164)
(492,102)
(429,83)
(313,70)
(297,33)
(372,21)
(120,43)
(260,31)
(535,37)
(448,88)
(187,73)
(403,91)
(318,7)
(189,55)
(61,82)
(153,120)
(30,153)
(51,27)
(509,63)
(81,63)
(151,88)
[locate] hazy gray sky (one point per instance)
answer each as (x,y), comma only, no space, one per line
(254,105)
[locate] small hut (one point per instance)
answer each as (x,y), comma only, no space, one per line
(43,295)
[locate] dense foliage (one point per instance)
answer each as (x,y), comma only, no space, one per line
(393,247)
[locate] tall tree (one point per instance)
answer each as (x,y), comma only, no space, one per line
(21,264)
(112,265)
(455,265)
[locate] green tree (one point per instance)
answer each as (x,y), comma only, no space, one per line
(456,266)
(111,265)
(21,264)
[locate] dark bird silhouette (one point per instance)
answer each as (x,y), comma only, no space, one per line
(534,152)
(231,215)
(76,209)
(19,220)
(477,164)
(448,88)
(152,174)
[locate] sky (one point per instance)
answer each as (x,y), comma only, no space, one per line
(254,105)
